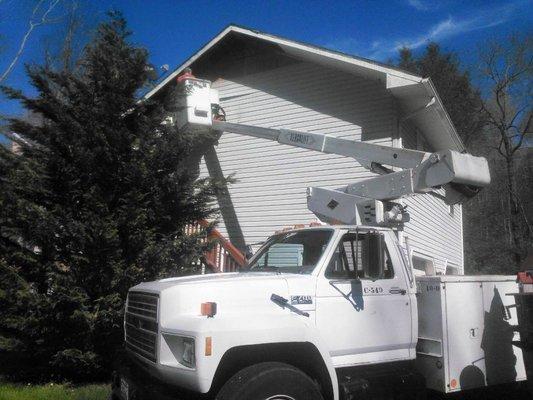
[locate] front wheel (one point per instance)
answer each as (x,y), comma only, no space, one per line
(270,381)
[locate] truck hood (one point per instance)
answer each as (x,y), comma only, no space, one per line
(234,293)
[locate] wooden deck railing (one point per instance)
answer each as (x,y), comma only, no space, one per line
(223,256)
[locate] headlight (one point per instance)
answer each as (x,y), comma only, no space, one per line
(187,356)
(178,349)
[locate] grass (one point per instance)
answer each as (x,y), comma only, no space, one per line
(101,392)
(54,392)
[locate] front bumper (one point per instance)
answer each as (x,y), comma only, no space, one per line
(131,374)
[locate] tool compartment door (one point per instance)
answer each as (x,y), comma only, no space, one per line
(464,332)
(503,361)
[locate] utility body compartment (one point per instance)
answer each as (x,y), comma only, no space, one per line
(465,332)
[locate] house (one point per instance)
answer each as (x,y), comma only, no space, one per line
(269,81)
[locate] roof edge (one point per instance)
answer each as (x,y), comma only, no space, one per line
(360,61)
(430,87)
(188,62)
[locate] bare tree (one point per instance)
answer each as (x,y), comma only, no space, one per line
(40,16)
(507,69)
(61,49)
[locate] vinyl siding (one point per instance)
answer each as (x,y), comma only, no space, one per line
(433,231)
(270,191)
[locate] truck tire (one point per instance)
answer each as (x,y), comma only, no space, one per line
(270,381)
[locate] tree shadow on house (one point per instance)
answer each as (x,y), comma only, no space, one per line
(225,203)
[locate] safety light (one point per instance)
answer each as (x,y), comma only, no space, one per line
(208,309)
(208,346)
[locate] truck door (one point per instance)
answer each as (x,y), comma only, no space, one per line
(363,306)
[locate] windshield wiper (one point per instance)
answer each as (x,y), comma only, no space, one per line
(284,303)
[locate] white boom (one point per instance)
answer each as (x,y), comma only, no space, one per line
(370,201)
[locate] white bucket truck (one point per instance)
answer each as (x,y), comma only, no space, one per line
(326,312)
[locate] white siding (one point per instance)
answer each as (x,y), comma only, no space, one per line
(270,192)
(433,231)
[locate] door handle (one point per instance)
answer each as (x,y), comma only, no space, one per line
(397,290)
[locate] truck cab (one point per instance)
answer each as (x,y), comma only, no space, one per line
(312,306)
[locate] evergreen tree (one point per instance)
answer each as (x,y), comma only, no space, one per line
(96,201)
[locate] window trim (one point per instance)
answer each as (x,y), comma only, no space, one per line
(419,256)
(339,245)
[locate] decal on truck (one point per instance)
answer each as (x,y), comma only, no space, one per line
(373,290)
(301,300)
(300,137)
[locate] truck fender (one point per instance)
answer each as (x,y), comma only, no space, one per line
(260,336)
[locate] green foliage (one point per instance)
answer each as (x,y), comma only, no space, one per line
(54,392)
(96,202)
(461,98)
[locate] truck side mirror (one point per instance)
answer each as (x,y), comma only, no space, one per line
(375,255)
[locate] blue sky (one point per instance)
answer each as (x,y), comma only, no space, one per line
(174,30)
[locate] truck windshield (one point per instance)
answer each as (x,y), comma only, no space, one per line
(293,252)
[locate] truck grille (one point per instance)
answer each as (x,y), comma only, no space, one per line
(141,324)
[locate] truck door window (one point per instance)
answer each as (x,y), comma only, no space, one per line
(361,255)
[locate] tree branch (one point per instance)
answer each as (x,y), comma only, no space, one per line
(520,110)
(523,211)
(32,25)
(522,135)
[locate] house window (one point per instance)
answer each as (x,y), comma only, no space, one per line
(423,264)
(451,209)
(452,270)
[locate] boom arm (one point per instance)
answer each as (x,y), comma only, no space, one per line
(368,201)
(364,153)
